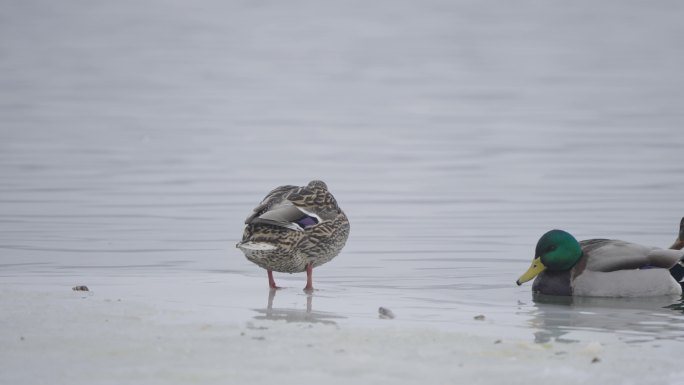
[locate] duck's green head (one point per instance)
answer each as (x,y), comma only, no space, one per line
(556,250)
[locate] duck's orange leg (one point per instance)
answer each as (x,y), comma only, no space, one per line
(271,281)
(309,277)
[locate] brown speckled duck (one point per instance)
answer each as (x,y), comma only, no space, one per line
(295,229)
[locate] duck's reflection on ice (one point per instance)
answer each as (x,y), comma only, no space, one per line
(295,314)
(632,320)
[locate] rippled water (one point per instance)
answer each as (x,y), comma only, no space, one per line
(135,137)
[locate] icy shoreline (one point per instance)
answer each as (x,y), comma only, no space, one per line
(77,338)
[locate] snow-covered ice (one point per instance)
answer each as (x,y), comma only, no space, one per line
(70,338)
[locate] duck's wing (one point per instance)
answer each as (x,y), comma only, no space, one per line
(607,255)
(276,196)
(287,215)
(296,208)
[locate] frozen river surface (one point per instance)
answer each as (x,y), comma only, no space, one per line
(135,137)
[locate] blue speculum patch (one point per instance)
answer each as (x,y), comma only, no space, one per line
(307,221)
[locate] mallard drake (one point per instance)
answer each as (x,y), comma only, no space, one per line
(295,229)
(603,267)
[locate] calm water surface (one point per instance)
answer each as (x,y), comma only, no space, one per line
(135,137)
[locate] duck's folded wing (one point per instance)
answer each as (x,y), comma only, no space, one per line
(288,216)
(273,198)
(612,255)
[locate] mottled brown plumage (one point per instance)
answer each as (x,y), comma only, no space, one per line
(295,229)
(679,242)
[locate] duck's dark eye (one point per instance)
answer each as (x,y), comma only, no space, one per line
(306,221)
(550,249)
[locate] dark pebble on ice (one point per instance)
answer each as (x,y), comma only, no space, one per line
(385,313)
(80,288)
(595,360)
(479,317)
(497,341)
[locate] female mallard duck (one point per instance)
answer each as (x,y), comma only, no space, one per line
(295,229)
(604,267)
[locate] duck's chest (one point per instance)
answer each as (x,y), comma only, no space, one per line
(623,283)
(553,283)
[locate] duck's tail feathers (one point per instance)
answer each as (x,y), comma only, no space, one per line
(677,272)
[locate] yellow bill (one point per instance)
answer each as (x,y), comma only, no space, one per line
(534,270)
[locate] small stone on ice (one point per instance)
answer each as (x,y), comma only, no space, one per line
(595,360)
(479,317)
(80,288)
(385,313)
